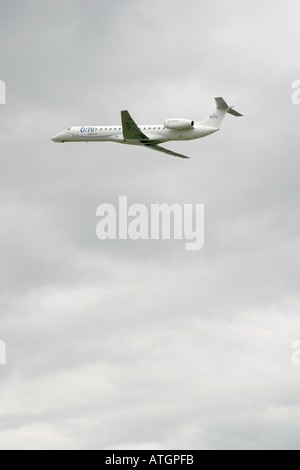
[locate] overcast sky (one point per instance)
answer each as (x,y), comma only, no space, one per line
(141,344)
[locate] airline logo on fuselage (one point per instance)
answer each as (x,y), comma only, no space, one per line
(87,129)
(213,116)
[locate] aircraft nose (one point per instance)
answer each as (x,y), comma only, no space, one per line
(57,138)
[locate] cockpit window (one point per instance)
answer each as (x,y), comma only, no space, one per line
(69,129)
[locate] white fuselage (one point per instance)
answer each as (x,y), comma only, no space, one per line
(149,135)
(156,133)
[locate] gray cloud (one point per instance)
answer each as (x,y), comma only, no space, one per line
(142,344)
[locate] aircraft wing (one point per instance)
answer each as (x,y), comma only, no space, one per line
(130,129)
(132,132)
(162,149)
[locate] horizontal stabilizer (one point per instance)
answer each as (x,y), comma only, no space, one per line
(221,104)
(233,112)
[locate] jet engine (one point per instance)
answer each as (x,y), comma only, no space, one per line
(178,124)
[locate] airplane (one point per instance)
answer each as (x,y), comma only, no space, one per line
(150,136)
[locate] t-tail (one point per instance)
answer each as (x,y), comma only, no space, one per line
(215,119)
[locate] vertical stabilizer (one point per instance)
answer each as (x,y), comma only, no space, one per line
(215,119)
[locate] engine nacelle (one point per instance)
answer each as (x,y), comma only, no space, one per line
(179,124)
